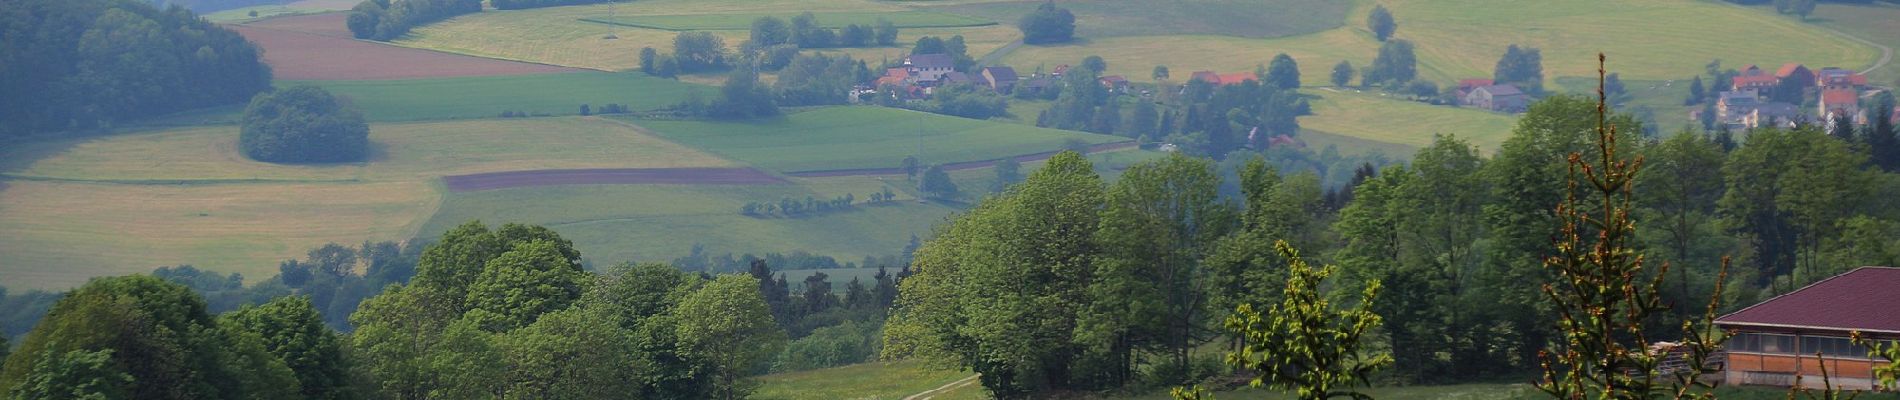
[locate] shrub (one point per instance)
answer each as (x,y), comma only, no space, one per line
(303,124)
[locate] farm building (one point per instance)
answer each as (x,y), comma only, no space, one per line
(1775,342)
(1501,98)
(926,69)
(1000,78)
(1754,81)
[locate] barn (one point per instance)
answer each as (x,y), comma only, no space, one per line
(1798,333)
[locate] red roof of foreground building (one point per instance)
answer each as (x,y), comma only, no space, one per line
(1837,97)
(1754,80)
(1236,78)
(1860,300)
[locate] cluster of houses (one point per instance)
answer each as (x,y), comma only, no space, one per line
(1837,94)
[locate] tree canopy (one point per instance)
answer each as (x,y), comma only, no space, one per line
(1048,24)
(1381,23)
(303,124)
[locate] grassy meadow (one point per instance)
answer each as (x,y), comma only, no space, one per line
(1243,18)
(880,380)
(864,137)
(1372,117)
(1464,38)
(488,97)
(828,19)
(1873,21)
(78,208)
(611,224)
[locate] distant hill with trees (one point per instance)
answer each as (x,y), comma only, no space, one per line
(83,64)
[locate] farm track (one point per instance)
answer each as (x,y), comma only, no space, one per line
(613,176)
(957,166)
(318,47)
(932,393)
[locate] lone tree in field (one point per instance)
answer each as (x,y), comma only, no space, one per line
(1381,23)
(1342,73)
(1048,24)
(304,124)
(937,183)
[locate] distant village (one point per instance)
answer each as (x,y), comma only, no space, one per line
(1759,99)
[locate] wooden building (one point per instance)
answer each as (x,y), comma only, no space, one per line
(1776,341)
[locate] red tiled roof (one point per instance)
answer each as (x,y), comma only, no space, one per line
(1474,83)
(1862,299)
(1236,78)
(1833,97)
(1787,69)
(1857,79)
(1754,80)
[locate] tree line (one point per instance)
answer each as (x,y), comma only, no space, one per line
(1066,282)
(86,64)
(386,20)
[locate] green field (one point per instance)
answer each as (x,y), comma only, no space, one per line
(863,137)
(1464,38)
(301,7)
(881,381)
(1242,18)
(829,19)
(611,224)
(1372,117)
(74,209)
(487,97)
(1874,21)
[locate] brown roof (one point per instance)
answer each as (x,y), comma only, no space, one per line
(1788,69)
(1474,83)
(1205,76)
(1833,97)
(1754,80)
(1862,300)
(1236,78)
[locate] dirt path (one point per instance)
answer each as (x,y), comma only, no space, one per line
(620,176)
(958,166)
(927,394)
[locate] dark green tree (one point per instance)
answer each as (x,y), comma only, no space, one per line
(769,31)
(303,124)
(1283,72)
(727,323)
(1879,134)
(1047,24)
(1396,62)
(699,51)
(1008,172)
(1696,92)
(77,374)
(937,183)
(1342,73)
(1521,66)
(1380,23)
(518,286)
(886,32)
(1160,72)
(293,331)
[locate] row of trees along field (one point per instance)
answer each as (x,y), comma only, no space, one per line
(385,20)
(1066,282)
(82,64)
(502,313)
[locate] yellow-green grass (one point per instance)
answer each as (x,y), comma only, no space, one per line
(1372,117)
(881,380)
(557,35)
(1876,22)
(404,152)
(611,224)
(1646,39)
(1243,18)
(79,208)
(55,235)
(241,15)
(828,19)
(489,96)
(850,137)
(1347,145)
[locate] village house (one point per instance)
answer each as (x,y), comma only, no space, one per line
(1775,114)
(1754,81)
(960,78)
(1060,69)
(1837,102)
(1001,79)
(1836,78)
(1792,72)
(1796,334)
(1730,106)
(928,69)
(1114,83)
(1500,98)
(1466,85)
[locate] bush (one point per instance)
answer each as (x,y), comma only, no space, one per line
(304,124)
(1048,24)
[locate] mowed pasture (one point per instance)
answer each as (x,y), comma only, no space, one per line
(1372,117)
(489,96)
(1645,39)
(828,19)
(878,380)
(561,36)
(611,224)
(1241,18)
(79,208)
(1874,21)
(305,47)
(849,137)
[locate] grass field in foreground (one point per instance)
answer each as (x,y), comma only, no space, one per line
(828,19)
(74,209)
(488,97)
(55,235)
(611,224)
(1464,38)
(1243,18)
(1371,117)
(864,137)
(879,381)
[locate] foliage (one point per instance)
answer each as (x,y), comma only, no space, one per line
(303,124)
(743,97)
(1304,344)
(699,52)
(937,183)
(1008,172)
(526,4)
(1342,73)
(1797,7)
(85,64)
(967,101)
(77,374)
(293,331)
(385,20)
(1396,62)
(830,346)
(727,323)
(1048,24)
(818,79)
(1283,72)
(1522,66)
(1380,22)
(518,286)
(1785,191)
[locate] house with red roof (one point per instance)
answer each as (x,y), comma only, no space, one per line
(1838,101)
(1205,76)
(1798,333)
(1466,85)
(1114,83)
(1754,81)
(1836,78)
